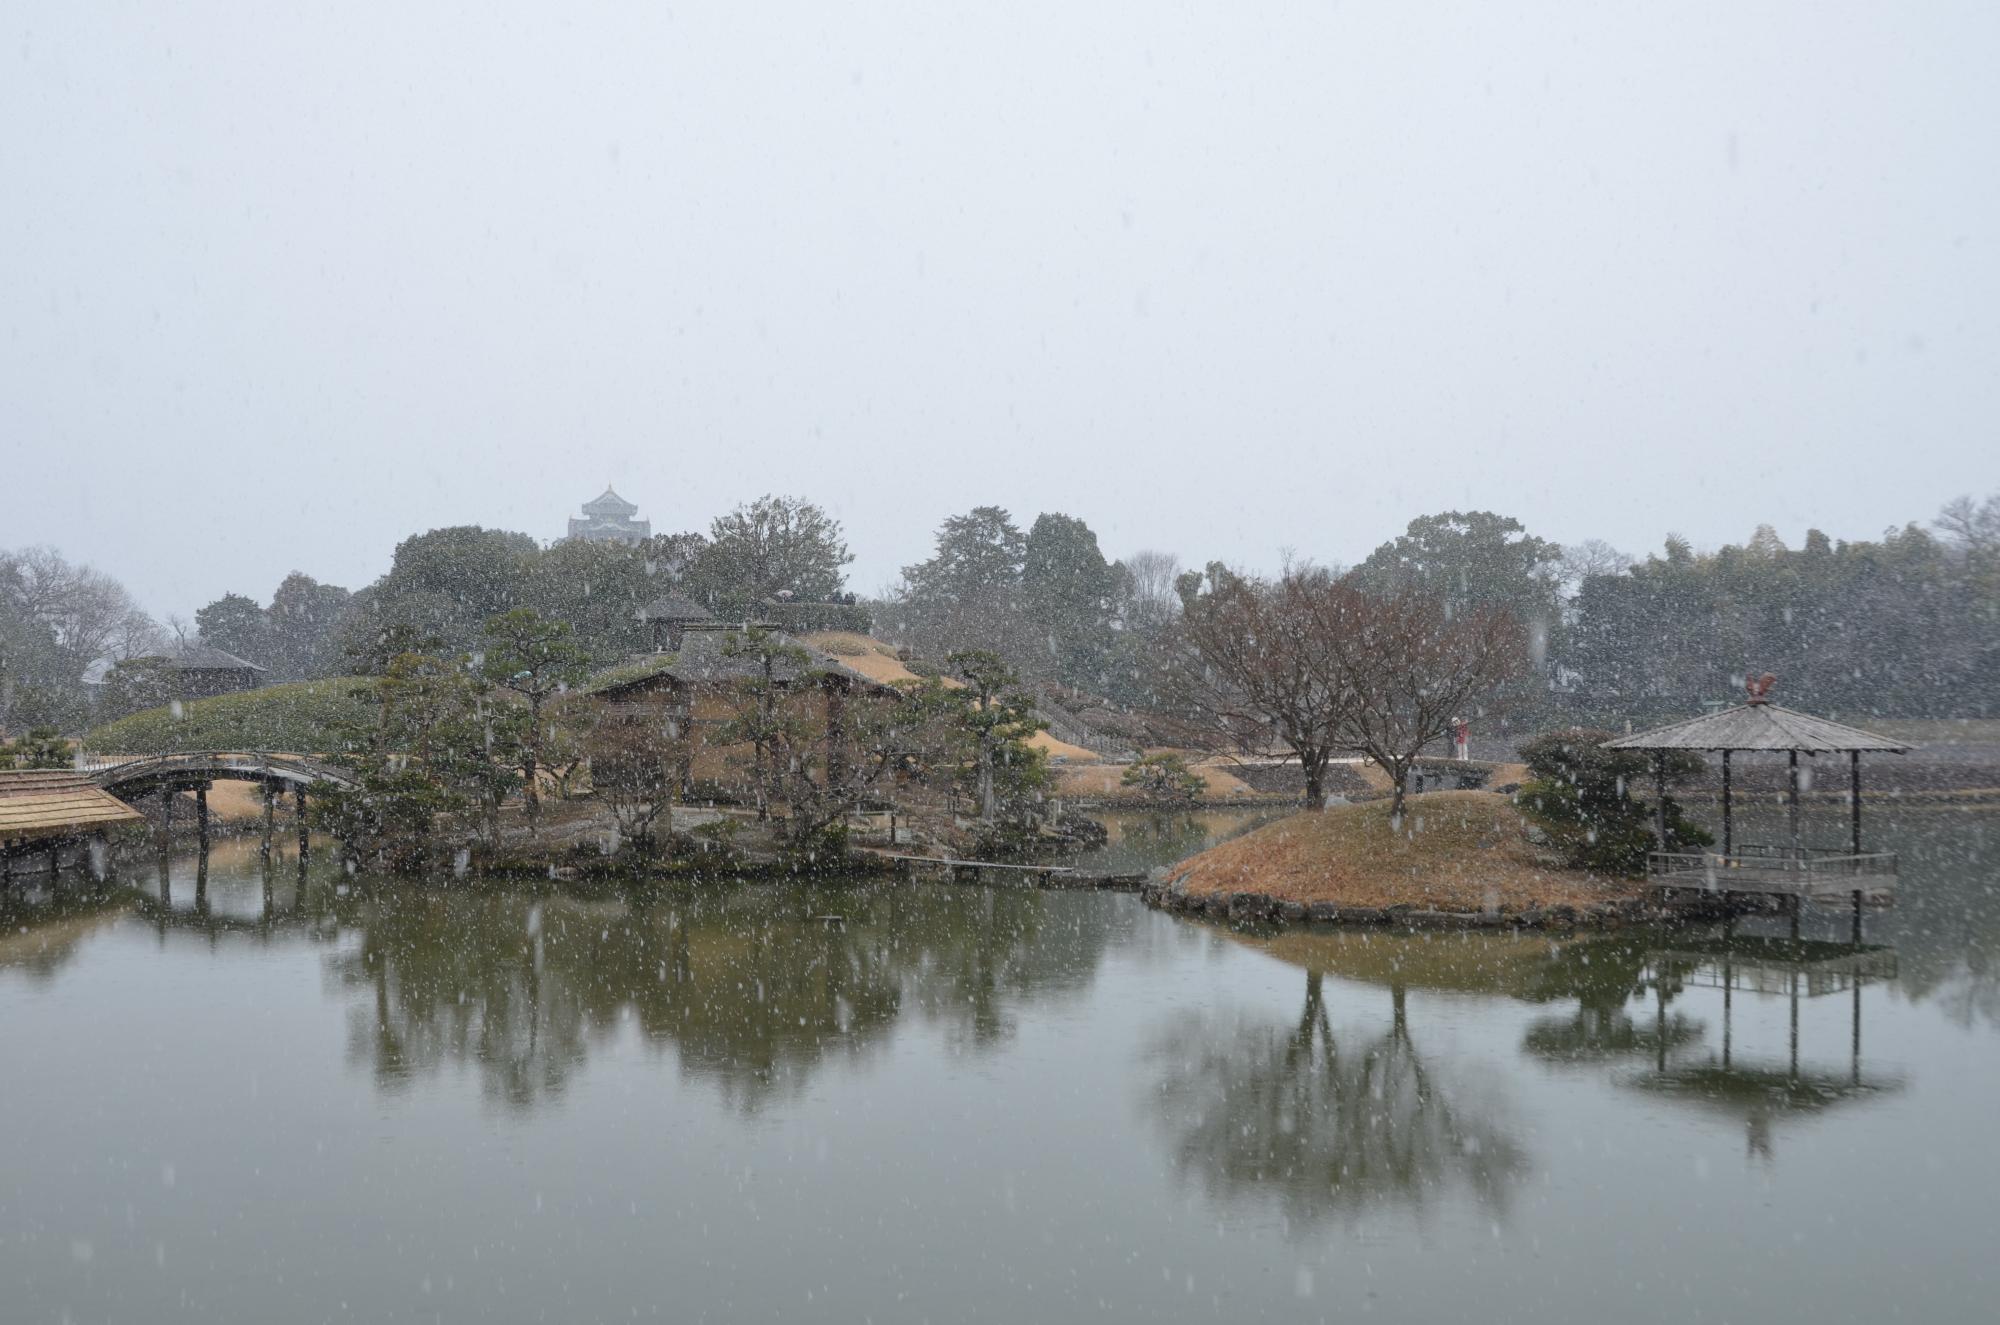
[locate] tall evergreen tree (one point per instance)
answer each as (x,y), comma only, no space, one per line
(1068,591)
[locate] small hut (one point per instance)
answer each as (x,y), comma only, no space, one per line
(1790,868)
(199,671)
(686,689)
(45,809)
(670,618)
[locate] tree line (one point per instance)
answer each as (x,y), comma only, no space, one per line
(1907,624)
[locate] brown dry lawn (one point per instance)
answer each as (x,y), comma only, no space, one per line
(1453,851)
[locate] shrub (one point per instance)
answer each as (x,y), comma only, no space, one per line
(1164,779)
(1580,794)
(42,747)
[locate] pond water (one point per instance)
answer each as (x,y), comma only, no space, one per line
(359,1102)
(1138,841)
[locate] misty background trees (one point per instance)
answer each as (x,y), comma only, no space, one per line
(1907,624)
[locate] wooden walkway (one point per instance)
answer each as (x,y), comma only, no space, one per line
(1045,876)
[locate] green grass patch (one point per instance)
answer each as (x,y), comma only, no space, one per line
(302,716)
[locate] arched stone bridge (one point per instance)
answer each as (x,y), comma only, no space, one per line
(130,776)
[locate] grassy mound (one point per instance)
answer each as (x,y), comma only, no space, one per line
(1453,851)
(300,716)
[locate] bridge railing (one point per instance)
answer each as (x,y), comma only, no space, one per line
(99,762)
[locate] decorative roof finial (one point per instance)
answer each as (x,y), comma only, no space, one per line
(1760,688)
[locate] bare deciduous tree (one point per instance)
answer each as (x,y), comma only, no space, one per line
(1152,603)
(1317,665)
(1407,668)
(1971,527)
(1252,669)
(90,613)
(635,769)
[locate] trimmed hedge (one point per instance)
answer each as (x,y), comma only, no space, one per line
(302,716)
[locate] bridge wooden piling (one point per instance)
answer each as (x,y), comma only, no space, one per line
(299,799)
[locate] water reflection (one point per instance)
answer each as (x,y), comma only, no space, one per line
(42,929)
(1255,1108)
(1282,1110)
(1760,1093)
(753,988)
(1138,841)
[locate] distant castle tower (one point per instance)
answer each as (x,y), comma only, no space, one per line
(608,519)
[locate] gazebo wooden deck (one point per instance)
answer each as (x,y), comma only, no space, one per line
(1789,869)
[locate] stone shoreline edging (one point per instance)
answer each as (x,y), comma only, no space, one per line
(1275,910)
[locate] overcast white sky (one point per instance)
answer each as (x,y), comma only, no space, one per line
(283,283)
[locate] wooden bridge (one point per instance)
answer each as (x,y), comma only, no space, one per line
(129,777)
(1041,875)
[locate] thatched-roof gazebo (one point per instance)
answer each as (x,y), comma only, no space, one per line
(1792,869)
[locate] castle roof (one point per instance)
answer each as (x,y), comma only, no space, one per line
(610,504)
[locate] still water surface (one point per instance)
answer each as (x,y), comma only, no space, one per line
(381,1103)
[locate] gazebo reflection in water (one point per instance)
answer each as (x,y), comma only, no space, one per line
(1759,1091)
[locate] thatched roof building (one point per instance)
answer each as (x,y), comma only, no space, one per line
(704,661)
(41,804)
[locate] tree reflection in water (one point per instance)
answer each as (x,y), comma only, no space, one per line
(1255,1109)
(1604,975)
(753,987)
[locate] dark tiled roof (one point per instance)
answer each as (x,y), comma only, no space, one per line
(207,658)
(674,608)
(609,504)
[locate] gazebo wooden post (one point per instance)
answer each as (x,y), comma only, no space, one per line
(270,817)
(201,815)
(1727,833)
(1660,796)
(1660,1023)
(1728,987)
(1854,795)
(1792,803)
(1854,1072)
(299,798)
(1793,1074)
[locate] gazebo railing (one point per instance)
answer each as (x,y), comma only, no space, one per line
(1774,869)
